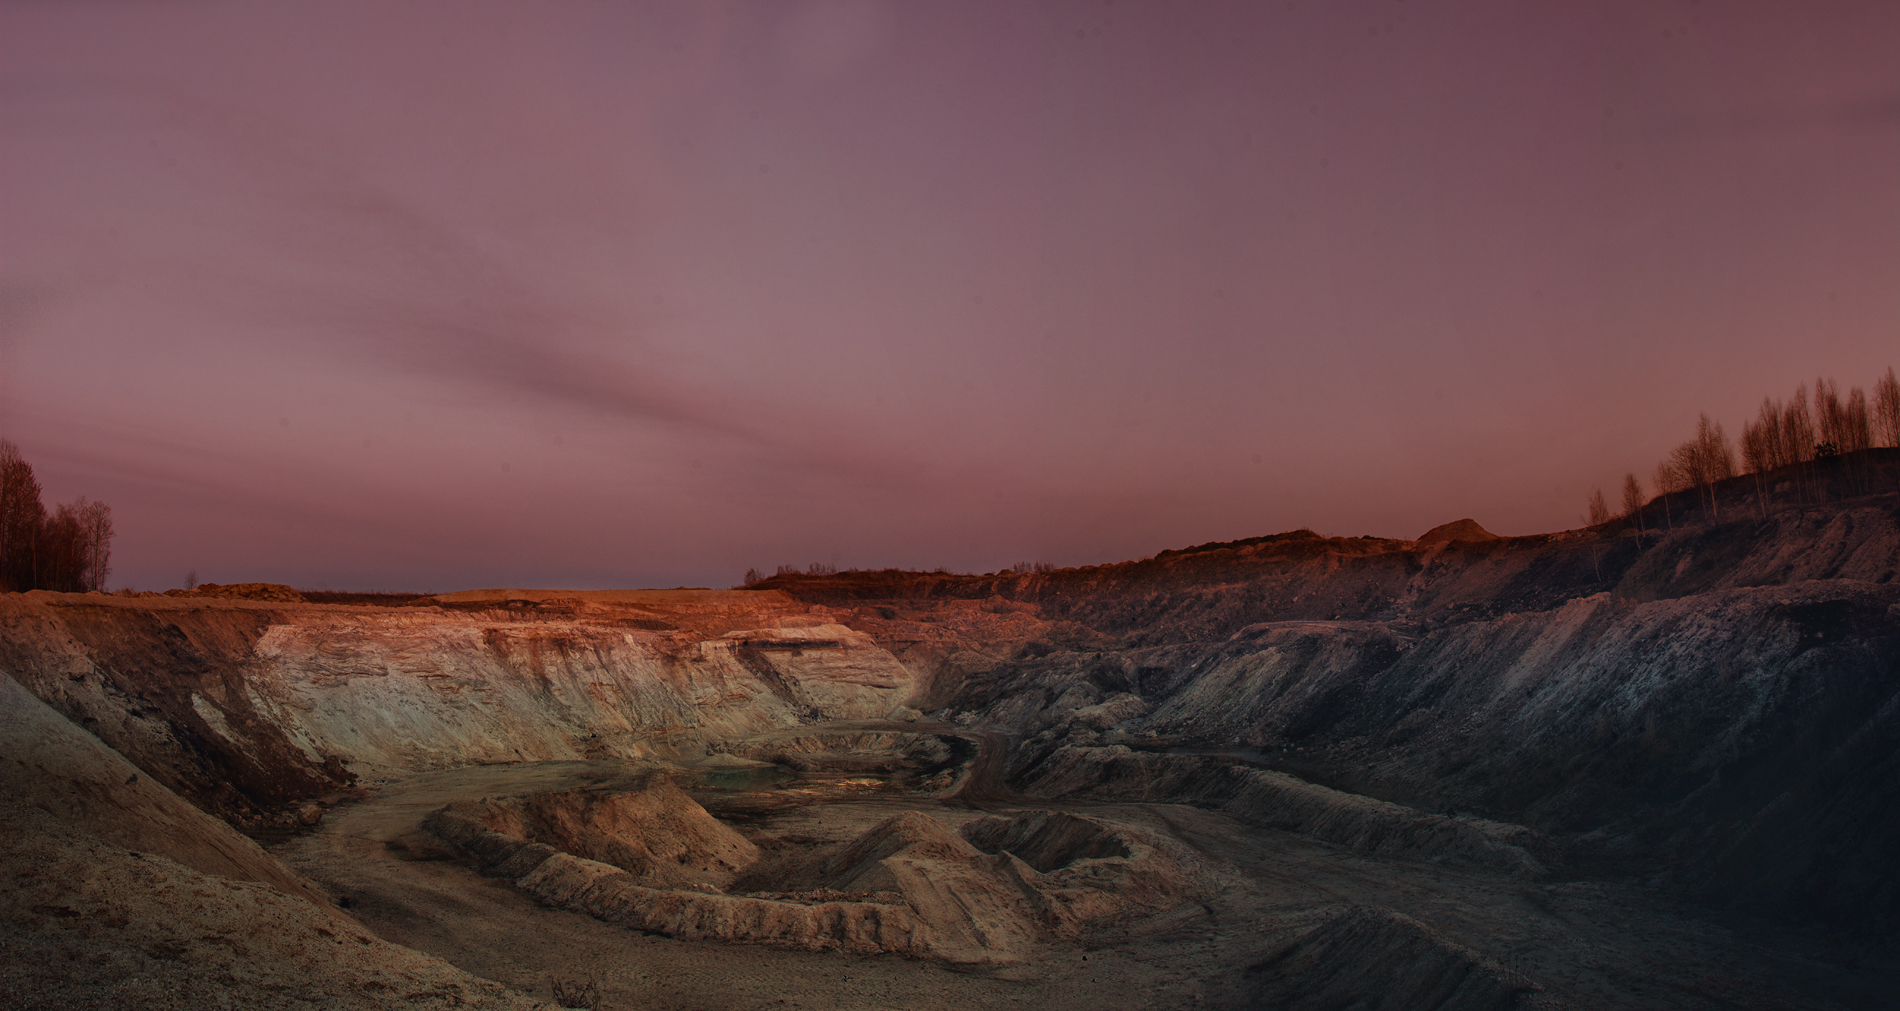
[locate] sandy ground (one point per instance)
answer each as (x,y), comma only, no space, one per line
(88,924)
(1581,944)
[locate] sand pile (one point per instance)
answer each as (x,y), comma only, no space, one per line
(655,833)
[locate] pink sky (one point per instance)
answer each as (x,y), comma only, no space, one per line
(431,296)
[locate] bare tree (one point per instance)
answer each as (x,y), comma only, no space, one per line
(1773,436)
(1718,456)
(1797,427)
(1598,511)
(1699,463)
(1633,500)
(76,547)
(21,517)
(1856,425)
(1762,449)
(62,552)
(96,520)
(1829,414)
(1763,446)
(1886,412)
(1714,459)
(1668,482)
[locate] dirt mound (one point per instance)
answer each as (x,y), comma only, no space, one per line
(1047,840)
(911,834)
(908,885)
(656,833)
(612,894)
(1455,531)
(85,923)
(277,592)
(1379,960)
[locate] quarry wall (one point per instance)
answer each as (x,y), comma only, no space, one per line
(247,708)
(1716,702)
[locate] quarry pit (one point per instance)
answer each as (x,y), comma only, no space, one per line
(1599,769)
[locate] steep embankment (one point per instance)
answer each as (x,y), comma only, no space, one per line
(121,894)
(1719,701)
(250,709)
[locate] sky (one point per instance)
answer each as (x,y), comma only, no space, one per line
(432,296)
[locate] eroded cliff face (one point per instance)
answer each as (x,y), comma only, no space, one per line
(250,708)
(1717,701)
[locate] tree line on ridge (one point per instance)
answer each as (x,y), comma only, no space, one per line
(1784,433)
(68,549)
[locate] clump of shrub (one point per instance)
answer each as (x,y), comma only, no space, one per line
(576,993)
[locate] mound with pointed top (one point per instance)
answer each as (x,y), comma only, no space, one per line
(1466,530)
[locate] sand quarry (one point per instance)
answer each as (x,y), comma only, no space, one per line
(1451,774)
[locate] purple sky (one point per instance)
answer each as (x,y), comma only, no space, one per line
(432,296)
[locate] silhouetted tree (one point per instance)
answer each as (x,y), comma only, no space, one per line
(68,551)
(1827,410)
(1843,423)
(1797,427)
(21,517)
(1761,440)
(1598,511)
(95,520)
(1856,426)
(1699,463)
(62,553)
(1886,413)
(1668,482)
(1633,500)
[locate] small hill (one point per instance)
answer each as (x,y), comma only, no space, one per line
(1455,531)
